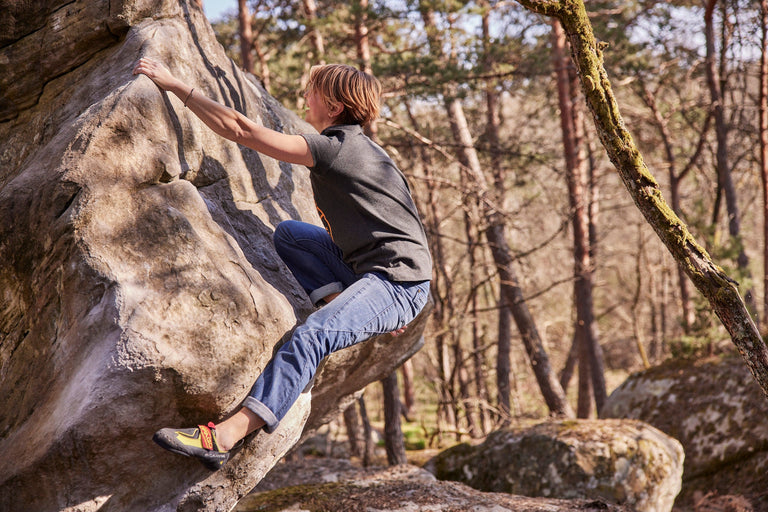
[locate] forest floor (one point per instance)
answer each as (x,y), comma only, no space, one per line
(308,470)
(713,494)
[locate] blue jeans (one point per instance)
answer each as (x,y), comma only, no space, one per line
(369,305)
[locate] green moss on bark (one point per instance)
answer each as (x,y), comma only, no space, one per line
(709,279)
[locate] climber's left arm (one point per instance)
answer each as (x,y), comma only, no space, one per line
(228,122)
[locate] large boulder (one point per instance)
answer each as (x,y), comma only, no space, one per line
(140,287)
(716,410)
(627,462)
(328,484)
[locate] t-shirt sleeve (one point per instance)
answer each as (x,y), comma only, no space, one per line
(324,150)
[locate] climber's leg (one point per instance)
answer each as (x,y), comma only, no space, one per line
(370,306)
(314,259)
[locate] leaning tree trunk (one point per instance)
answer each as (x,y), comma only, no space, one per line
(709,279)
(553,393)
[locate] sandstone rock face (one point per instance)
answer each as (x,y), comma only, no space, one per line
(716,410)
(140,287)
(626,462)
(328,484)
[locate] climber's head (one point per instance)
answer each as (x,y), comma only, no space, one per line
(347,90)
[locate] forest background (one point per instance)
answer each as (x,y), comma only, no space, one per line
(549,285)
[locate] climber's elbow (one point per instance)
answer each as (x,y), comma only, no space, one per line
(280,146)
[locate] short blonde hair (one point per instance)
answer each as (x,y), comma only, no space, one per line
(357,92)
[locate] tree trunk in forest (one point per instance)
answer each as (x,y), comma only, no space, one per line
(461,380)
(689,314)
(763,108)
(493,122)
(455,386)
(640,271)
(554,396)
(503,365)
(246,35)
(441,286)
(390,383)
(658,287)
(352,424)
(264,74)
(724,177)
(675,179)
(593,212)
(585,390)
(367,433)
(409,394)
(310,10)
(590,353)
(471,220)
(566,374)
(479,371)
(467,406)
(686,299)
(393,433)
(364,51)
(709,279)
(318,46)
(361,35)
(553,393)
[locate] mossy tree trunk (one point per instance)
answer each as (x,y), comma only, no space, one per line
(709,279)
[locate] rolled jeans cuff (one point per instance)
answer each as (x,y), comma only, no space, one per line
(263,412)
(319,294)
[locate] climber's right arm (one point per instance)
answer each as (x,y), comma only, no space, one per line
(228,122)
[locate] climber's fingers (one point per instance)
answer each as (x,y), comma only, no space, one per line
(155,71)
(399,331)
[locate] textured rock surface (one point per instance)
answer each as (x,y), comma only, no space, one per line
(335,485)
(139,284)
(626,462)
(716,410)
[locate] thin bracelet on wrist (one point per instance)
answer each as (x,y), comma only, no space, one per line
(188,96)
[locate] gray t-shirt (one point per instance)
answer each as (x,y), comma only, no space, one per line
(366,206)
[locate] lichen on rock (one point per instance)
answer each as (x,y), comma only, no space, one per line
(395,489)
(715,409)
(628,462)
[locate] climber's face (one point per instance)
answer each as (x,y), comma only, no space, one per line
(316,111)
